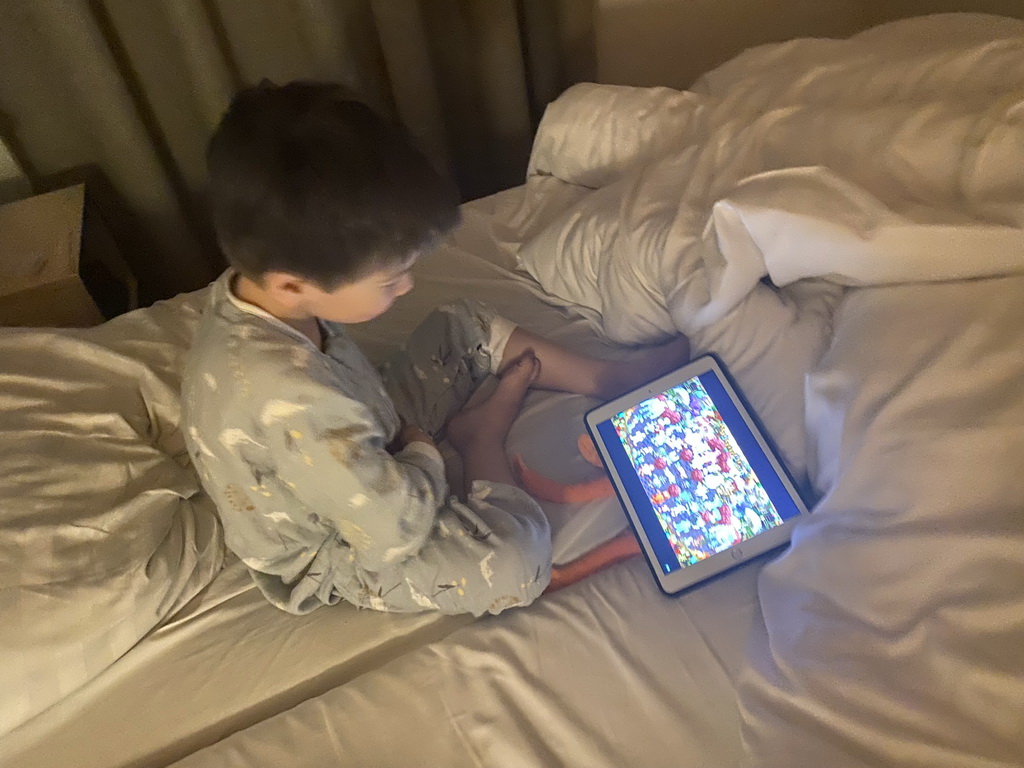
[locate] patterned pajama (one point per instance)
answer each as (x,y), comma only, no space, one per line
(291,443)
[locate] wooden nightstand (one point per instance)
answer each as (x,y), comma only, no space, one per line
(59,266)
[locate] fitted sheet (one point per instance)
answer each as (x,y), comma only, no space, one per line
(228,660)
(609,672)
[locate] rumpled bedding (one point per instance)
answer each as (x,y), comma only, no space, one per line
(104,531)
(893,630)
(736,213)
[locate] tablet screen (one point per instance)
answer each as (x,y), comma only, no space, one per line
(694,472)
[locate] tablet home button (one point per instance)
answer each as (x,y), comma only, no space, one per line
(737,554)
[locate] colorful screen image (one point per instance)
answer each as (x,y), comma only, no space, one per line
(700,484)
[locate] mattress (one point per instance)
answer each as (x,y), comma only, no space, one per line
(606,673)
(226,661)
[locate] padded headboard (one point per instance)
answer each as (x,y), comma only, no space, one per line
(671,42)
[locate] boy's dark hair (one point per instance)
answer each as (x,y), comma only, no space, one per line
(306,181)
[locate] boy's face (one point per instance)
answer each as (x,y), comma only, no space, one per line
(357,302)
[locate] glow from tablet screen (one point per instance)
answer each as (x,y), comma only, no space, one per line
(700,484)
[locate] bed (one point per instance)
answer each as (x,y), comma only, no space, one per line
(840,222)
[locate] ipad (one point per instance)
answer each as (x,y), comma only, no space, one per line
(702,487)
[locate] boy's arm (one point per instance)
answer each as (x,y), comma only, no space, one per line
(334,460)
(409,433)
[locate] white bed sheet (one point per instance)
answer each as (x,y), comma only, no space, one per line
(605,674)
(228,660)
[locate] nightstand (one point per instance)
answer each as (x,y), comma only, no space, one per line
(59,266)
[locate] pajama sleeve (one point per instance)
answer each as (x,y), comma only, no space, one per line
(332,459)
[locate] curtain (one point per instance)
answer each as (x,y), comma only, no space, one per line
(125,93)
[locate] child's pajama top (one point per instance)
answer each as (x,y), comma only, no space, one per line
(291,443)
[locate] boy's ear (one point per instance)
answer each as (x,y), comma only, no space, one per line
(286,288)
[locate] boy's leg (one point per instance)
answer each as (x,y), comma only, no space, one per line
(479,433)
(488,554)
(566,371)
(443,361)
(494,551)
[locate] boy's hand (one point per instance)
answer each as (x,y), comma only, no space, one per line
(410,433)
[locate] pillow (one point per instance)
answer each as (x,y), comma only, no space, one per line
(612,255)
(593,133)
(103,529)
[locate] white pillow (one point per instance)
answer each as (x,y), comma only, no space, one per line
(768,341)
(593,133)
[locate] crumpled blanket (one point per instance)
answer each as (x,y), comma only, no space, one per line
(737,212)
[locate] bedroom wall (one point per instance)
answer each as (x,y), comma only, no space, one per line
(671,42)
(887,10)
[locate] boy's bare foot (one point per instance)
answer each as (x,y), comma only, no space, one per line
(622,547)
(620,376)
(491,419)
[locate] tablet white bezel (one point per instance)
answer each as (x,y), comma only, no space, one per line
(687,576)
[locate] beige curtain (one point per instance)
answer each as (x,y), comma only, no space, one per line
(126,92)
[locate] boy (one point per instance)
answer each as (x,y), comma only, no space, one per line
(326,474)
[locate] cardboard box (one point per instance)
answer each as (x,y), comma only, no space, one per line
(58,264)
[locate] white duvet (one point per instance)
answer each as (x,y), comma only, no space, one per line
(893,157)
